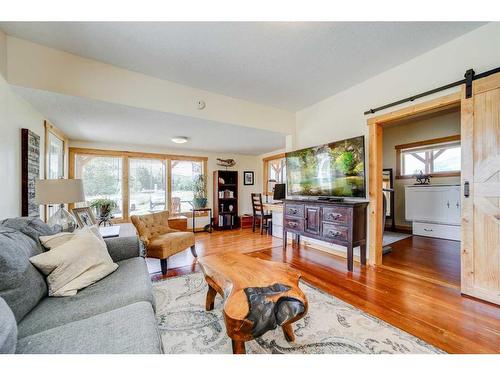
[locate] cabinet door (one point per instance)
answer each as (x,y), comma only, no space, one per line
(428,203)
(480,246)
(312,224)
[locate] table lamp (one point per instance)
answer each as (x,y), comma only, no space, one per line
(60,191)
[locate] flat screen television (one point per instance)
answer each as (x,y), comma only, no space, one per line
(335,169)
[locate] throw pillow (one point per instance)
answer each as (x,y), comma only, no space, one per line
(55,240)
(75,264)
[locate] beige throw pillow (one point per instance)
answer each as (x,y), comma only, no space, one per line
(52,241)
(75,264)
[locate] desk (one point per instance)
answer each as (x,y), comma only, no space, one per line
(277,210)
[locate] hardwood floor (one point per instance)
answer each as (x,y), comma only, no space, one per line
(431,258)
(430,311)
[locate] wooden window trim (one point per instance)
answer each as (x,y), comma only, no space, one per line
(265,168)
(428,142)
(126,155)
(52,129)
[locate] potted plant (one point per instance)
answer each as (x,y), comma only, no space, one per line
(103,208)
(200,192)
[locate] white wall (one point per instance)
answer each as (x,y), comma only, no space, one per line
(15,113)
(341,116)
(243,163)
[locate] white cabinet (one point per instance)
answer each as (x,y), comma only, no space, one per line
(434,204)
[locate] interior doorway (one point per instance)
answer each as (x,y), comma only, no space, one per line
(423,137)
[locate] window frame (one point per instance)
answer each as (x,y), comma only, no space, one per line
(418,146)
(266,161)
(49,130)
(125,155)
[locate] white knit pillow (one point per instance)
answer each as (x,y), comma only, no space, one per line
(54,240)
(75,264)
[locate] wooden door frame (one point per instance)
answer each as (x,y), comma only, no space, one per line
(375,163)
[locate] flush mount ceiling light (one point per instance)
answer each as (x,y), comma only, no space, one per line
(179,139)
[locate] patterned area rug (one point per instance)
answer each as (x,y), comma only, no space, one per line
(331,326)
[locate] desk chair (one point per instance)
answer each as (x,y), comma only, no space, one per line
(258,214)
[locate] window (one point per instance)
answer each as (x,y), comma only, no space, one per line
(147,186)
(183,174)
(139,183)
(102,178)
(274,171)
(55,150)
(435,157)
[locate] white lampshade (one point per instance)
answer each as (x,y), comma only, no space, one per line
(58,191)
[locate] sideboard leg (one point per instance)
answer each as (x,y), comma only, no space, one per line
(350,258)
(284,239)
(238,347)
(362,250)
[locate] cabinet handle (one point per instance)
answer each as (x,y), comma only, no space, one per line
(334,216)
(448,204)
(293,211)
(458,205)
(333,233)
(428,230)
(292,224)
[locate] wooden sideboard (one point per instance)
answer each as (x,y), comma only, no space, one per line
(341,223)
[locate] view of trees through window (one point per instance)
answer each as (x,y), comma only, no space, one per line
(146,186)
(102,178)
(184,173)
(147,182)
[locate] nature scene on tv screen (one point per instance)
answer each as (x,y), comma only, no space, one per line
(335,169)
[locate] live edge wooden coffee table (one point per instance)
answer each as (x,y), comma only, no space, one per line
(258,296)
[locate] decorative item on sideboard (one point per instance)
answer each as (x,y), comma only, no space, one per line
(422,179)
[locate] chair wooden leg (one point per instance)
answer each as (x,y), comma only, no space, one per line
(253,224)
(163,263)
(193,251)
(261,226)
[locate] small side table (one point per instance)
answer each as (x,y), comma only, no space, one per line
(207,228)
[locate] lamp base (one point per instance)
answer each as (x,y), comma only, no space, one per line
(64,219)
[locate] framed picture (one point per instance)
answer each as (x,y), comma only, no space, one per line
(84,216)
(30,172)
(248,178)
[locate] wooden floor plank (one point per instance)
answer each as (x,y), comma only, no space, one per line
(433,312)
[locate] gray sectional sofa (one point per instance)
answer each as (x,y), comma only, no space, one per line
(114,315)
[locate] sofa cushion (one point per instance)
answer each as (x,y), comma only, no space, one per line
(21,285)
(32,227)
(128,284)
(128,330)
(8,329)
(75,264)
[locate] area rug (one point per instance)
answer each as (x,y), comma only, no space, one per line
(331,326)
(391,237)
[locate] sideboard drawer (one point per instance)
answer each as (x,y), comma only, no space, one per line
(332,231)
(294,224)
(294,210)
(338,215)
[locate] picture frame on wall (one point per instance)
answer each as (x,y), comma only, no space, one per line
(84,216)
(30,172)
(248,178)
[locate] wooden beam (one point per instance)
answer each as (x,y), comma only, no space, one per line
(431,106)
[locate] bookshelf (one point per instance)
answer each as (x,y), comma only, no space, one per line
(225,199)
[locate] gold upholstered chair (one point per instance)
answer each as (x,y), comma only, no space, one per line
(160,240)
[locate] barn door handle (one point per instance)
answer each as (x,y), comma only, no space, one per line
(466,189)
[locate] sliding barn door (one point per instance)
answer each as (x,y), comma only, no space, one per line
(480,246)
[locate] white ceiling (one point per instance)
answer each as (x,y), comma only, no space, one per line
(95,121)
(285,65)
